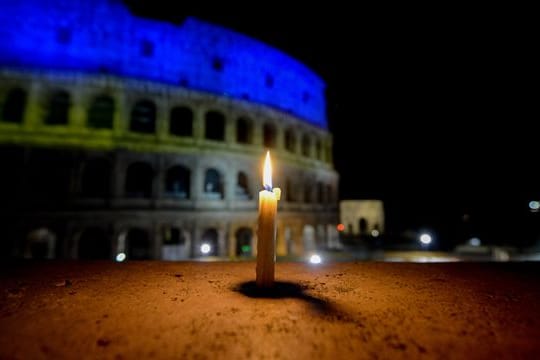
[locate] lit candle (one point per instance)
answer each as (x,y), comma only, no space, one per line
(266,232)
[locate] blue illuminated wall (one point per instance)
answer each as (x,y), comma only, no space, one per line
(102,36)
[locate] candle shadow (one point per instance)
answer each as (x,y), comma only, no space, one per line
(282,289)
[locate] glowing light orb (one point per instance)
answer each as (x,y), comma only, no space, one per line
(340,227)
(120,257)
(534,205)
(315,259)
(375,233)
(206,248)
(425,239)
(475,241)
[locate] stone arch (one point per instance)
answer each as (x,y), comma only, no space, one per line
(138,244)
(210,237)
(363,226)
(101,112)
(213,184)
(309,239)
(14,106)
(306,145)
(320,193)
(291,190)
(40,244)
(178,182)
(308,192)
(329,194)
(244,130)
(94,244)
(318,149)
(143,117)
(181,121)
(244,242)
(175,244)
(139,178)
(242,191)
(290,140)
(214,128)
(269,135)
(95,178)
(58,108)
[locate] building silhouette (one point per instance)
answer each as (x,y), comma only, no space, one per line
(126,135)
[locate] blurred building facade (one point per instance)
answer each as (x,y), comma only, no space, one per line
(362,217)
(120,134)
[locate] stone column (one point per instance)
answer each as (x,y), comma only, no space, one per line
(158,240)
(229,185)
(222,241)
(197,178)
(230,130)
(118,177)
(196,234)
(280,137)
(159,180)
(232,240)
(121,115)
(77,111)
(257,133)
(198,124)
(34,113)
(162,119)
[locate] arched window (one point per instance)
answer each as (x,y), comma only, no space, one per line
(328,153)
(94,245)
(14,104)
(306,145)
(242,187)
(269,135)
(41,244)
(138,243)
(244,131)
(289,190)
(143,117)
(362,226)
(320,193)
(173,236)
(290,140)
(96,177)
(329,194)
(101,113)
(209,238)
(181,121)
(214,126)
(307,193)
(139,180)
(318,149)
(58,111)
(213,185)
(244,237)
(177,182)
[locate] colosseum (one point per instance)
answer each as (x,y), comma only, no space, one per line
(126,137)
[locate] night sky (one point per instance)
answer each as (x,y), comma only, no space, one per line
(435,116)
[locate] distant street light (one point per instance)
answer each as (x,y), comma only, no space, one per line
(205,248)
(315,259)
(425,239)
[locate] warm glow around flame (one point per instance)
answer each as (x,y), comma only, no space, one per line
(267,173)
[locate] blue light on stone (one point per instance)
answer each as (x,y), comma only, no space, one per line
(102,36)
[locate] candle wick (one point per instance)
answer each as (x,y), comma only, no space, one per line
(267,187)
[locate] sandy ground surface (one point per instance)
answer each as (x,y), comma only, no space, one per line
(212,311)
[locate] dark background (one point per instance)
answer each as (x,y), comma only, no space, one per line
(434,114)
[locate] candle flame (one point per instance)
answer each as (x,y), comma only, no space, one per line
(267,173)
